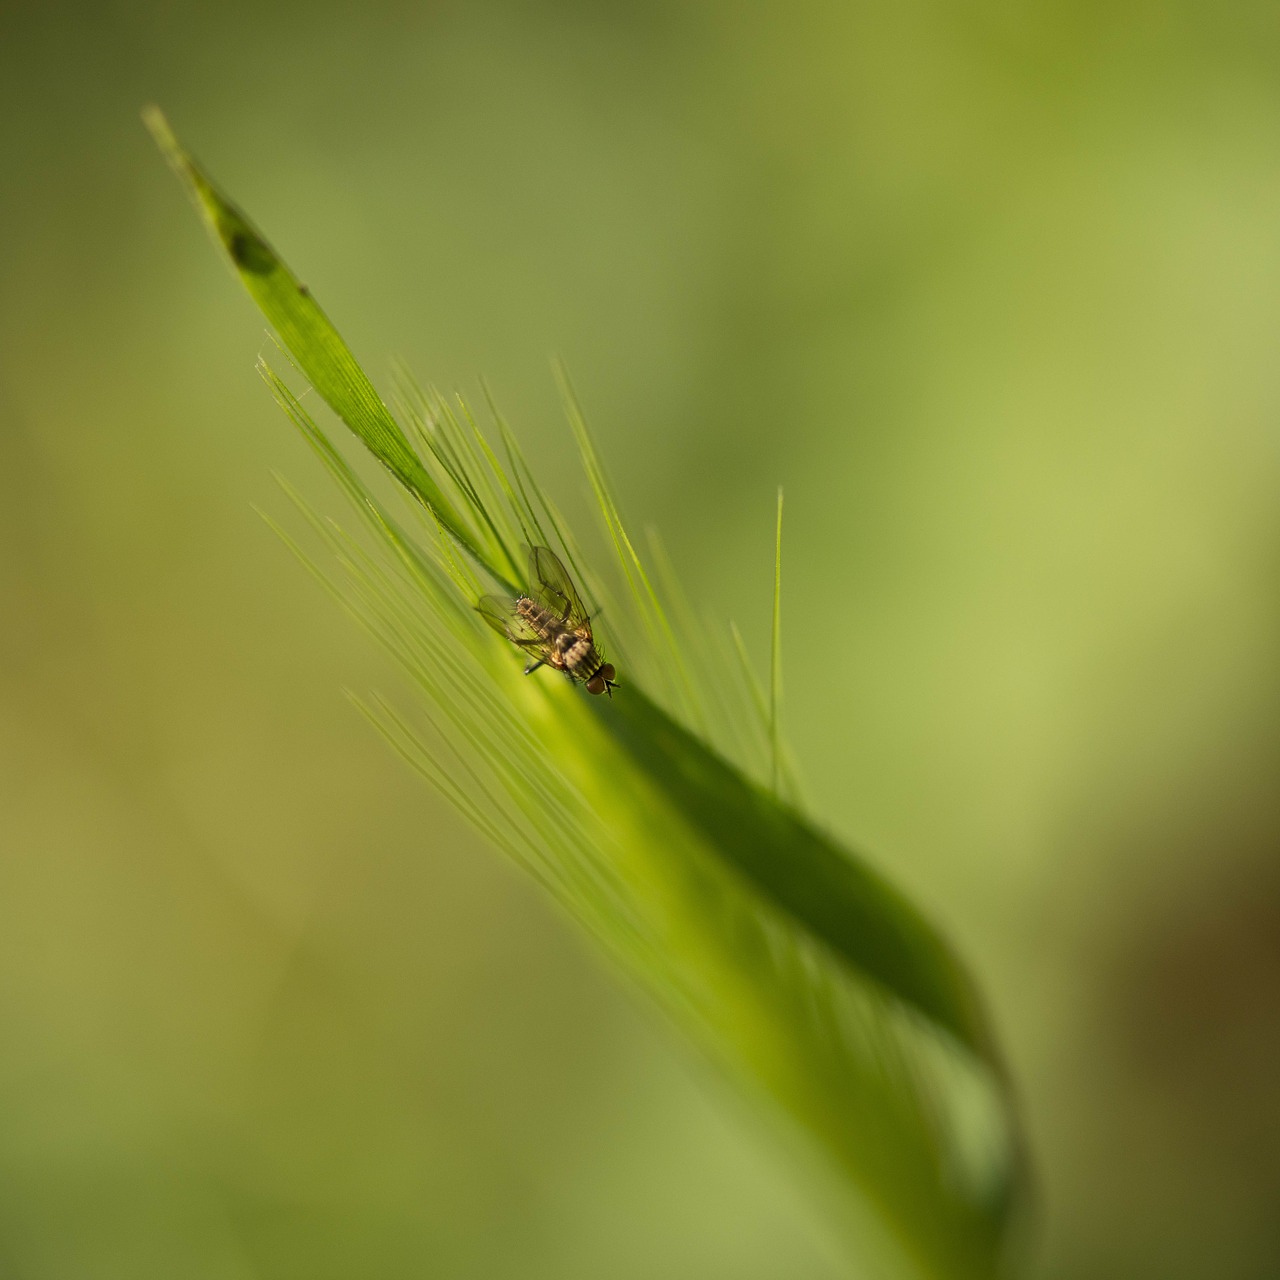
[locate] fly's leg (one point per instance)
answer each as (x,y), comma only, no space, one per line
(531,669)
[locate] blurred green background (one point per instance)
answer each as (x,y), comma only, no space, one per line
(992,289)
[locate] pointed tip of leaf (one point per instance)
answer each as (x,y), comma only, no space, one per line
(158,126)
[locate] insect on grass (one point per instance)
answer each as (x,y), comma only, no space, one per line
(550,624)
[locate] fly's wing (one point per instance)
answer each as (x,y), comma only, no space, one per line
(552,587)
(500,613)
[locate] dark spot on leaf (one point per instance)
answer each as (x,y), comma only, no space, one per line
(251,252)
(302,289)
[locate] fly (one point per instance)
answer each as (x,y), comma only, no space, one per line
(550,624)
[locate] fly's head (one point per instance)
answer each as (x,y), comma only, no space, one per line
(603,681)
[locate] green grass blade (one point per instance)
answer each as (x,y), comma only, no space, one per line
(828,893)
(310,337)
(795,966)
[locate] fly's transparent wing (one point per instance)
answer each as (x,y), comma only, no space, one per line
(552,587)
(501,614)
